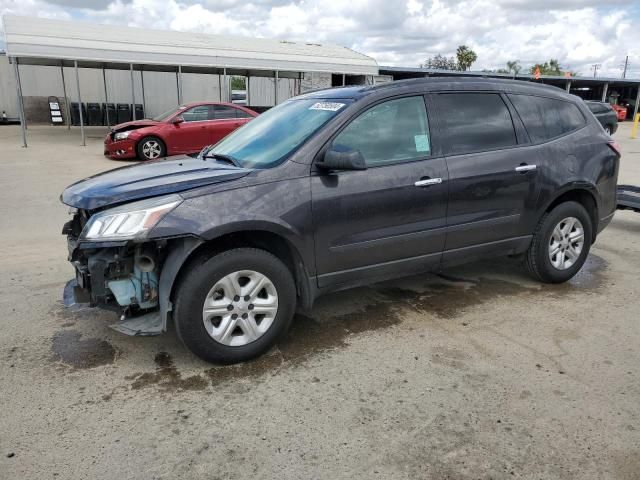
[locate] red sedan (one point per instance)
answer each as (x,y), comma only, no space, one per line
(621,112)
(183,130)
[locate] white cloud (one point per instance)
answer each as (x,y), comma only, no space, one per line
(37,8)
(398,32)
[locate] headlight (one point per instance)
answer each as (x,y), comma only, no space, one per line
(129,222)
(122,135)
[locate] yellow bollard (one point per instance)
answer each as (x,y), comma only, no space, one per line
(634,130)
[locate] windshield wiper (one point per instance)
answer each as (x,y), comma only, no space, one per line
(225,158)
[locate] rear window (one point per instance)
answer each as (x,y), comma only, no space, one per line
(597,107)
(547,118)
(221,112)
(475,122)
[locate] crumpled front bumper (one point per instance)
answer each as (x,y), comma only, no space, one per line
(119,149)
(108,276)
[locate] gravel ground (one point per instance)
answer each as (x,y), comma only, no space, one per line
(476,373)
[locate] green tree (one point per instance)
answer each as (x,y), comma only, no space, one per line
(238,83)
(440,62)
(552,67)
(514,67)
(466,57)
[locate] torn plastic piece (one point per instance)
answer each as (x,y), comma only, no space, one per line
(146,325)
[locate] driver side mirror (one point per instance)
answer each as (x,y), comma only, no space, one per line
(178,119)
(339,157)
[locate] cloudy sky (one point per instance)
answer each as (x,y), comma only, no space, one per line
(395,32)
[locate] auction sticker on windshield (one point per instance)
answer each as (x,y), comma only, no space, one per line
(328,106)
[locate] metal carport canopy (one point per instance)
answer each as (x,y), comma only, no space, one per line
(55,39)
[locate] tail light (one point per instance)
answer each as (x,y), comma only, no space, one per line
(615,146)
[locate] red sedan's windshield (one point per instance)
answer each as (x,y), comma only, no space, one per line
(164,116)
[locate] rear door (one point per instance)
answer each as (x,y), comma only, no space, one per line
(225,120)
(492,178)
(192,134)
(388,219)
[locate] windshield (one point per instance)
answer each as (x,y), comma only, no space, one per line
(168,114)
(271,137)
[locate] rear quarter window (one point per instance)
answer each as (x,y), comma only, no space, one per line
(547,118)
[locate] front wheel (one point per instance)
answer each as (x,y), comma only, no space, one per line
(560,244)
(235,305)
(151,148)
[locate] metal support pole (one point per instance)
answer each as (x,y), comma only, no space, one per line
(247,95)
(225,82)
(20,104)
(144,102)
(75,66)
(66,100)
(635,109)
(106,98)
(604,92)
(344,79)
(179,79)
(275,98)
(133,93)
(568,85)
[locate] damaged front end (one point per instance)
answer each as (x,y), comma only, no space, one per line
(119,268)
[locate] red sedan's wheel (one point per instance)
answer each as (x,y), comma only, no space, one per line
(151,148)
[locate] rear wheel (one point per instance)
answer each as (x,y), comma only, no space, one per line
(235,305)
(608,129)
(560,243)
(151,148)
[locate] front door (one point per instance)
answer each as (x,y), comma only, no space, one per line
(389,218)
(492,176)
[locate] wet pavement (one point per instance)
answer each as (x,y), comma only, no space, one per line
(442,295)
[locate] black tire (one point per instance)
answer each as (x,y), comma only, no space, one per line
(197,283)
(537,257)
(140,148)
(609,129)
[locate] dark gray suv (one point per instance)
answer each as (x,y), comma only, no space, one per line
(339,188)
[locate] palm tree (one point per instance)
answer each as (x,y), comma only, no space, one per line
(513,66)
(466,57)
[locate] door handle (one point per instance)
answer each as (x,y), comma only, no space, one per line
(428,181)
(526,168)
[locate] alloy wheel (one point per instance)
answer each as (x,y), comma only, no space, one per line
(240,308)
(566,243)
(151,149)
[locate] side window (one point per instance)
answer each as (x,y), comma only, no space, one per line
(474,122)
(393,131)
(241,113)
(222,112)
(196,114)
(547,118)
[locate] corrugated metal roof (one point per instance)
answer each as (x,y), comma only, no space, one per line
(521,76)
(44,38)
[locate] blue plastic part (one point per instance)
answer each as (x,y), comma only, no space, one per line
(131,290)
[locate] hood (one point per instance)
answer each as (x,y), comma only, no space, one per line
(148,179)
(134,124)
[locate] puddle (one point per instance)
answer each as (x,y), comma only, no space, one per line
(306,337)
(69,347)
(167,377)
